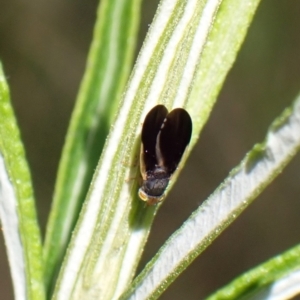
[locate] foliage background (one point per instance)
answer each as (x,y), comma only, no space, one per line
(43,47)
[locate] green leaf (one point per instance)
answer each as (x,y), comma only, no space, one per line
(245,182)
(108,66)
(188,51)
(17,209)
(277,278)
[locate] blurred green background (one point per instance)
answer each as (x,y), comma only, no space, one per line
(43,47)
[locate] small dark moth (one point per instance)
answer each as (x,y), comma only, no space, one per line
(164,138)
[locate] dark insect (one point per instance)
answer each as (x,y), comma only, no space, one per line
(164,139)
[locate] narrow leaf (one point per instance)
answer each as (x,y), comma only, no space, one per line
(278,278)
(108,66)
(17,209)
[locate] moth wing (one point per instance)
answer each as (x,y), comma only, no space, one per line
(174,136)
(151,128)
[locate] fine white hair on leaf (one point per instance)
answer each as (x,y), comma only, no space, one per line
(10,227)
